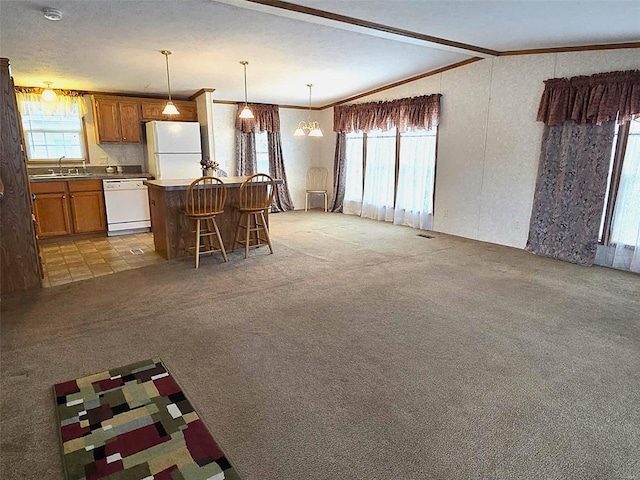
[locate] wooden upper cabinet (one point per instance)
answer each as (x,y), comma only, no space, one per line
(105,112)
(130,129)
(152,110)
(188,112)
(117,119)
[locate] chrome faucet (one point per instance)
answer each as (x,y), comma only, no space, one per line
(60,164)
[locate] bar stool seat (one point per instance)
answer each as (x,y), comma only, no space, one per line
(204,200)
(255,197)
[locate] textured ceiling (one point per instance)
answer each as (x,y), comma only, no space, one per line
(113,45)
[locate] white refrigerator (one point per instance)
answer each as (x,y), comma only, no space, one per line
(174,150)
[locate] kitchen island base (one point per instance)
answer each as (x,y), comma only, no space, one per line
(172,231)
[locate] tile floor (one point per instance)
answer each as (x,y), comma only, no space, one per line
(67,260)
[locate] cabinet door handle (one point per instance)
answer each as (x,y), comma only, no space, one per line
(73,196)
(64,197)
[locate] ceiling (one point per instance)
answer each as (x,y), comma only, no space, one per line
(113,45)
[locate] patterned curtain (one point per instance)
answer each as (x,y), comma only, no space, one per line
(245,154)
(339,173)
(570,191)
(591,99)
(405,114)
(281,200)
(266,118)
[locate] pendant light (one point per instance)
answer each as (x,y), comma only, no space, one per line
(170,108)
(308,128)
(246,111)
(48,95)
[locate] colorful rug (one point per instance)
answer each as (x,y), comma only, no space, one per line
(134,422)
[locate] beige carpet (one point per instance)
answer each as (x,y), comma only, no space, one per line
(359,350)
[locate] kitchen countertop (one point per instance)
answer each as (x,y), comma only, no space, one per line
(89,176)
(183,183)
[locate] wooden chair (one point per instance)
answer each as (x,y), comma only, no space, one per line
(316,184)
(255,196)
(205,199)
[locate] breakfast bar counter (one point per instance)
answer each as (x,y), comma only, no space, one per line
(172,231)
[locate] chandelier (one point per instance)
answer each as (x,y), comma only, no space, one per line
(308,128)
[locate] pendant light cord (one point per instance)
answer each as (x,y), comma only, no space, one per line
(309,85)
(244,64)
(166,55)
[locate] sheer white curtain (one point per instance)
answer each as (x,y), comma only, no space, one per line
(414,200)
(380,175)
(352,204)
(625,226)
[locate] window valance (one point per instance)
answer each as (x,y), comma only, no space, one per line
(416,113)
(64,102)
(266,117)
(591,99)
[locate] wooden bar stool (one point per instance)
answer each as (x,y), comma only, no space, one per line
(205,199)
(255,196)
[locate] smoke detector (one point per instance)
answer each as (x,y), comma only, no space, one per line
(52,14)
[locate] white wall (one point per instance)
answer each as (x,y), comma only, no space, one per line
(299,153)
(489,139)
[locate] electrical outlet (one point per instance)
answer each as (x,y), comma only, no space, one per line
(104,160)
(445,213)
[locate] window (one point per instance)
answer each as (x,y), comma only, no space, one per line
(49,137)
(262,152)
(354,183)
(621,217)
(416,179)
(391,176)
(379,175)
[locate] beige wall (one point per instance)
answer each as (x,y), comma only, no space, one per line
(489,139)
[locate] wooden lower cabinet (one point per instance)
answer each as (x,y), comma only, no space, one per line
(88,212)
(63,208)
(52,214)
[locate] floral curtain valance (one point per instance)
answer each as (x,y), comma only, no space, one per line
(64,102)
(266,117)
(591,99)
(416,113)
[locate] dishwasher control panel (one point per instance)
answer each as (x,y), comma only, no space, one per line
(124,184)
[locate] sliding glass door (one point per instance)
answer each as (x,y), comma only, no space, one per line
(620,232)
(354,168)
(390,176)
(380,176)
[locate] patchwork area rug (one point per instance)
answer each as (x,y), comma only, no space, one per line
(135,422)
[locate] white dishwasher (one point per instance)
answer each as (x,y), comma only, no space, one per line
(127,204)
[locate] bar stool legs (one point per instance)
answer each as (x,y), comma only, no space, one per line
(206,236)
(254,224)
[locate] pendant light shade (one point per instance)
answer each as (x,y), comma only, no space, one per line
(48,95)
(308,128)
(246,111)
(169,108)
